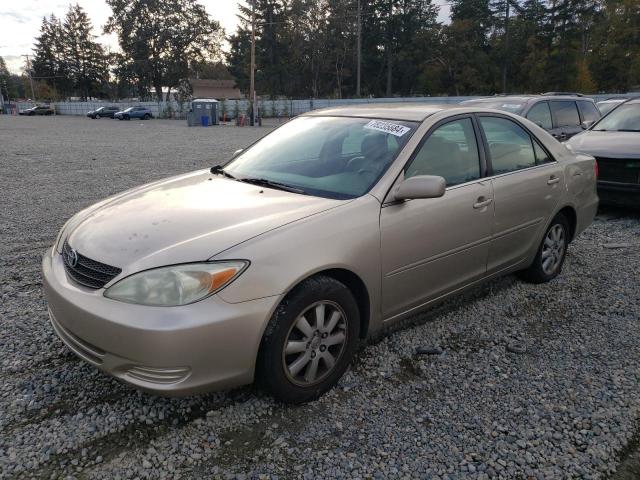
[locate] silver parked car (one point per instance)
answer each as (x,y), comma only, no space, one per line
(562,114)
(615,143)
(336,224)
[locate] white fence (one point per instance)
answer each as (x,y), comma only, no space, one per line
(268,108)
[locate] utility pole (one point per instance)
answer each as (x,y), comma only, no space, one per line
(359,48)
(505,60)
(252,85)
(33,95)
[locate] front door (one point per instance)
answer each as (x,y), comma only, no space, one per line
(433,246)
(527,185)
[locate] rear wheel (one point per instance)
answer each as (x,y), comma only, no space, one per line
(309,341)
(551,254)
(146,116)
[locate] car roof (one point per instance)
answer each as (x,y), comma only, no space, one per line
(527,98)
(412,112)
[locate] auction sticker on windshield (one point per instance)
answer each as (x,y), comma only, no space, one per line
(387,127)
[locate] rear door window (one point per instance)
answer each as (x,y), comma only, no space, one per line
(510,146)
(565,113)
(589,111)
(541,115)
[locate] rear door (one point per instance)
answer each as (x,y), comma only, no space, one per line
(566,119)
(433,246)
(527,185)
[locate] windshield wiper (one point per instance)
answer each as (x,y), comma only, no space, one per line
(628,130)
(271,184)
(219,170)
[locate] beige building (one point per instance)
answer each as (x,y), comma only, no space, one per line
(219,89)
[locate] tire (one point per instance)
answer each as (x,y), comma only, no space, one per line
(551,254)
(126,117)
(146,116)
(291,378)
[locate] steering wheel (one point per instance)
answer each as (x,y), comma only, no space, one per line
(353,164)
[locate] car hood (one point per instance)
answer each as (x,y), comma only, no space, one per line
(607,144)
(185,219)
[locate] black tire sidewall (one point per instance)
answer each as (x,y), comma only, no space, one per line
(270,369)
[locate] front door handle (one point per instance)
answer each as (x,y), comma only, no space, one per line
(482,202)
(552,180)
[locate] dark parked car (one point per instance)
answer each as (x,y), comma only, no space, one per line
(615,142)
(142,113)
(40,110)
(103,112)
(562,116)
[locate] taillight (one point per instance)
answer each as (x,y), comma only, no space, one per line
(596,170)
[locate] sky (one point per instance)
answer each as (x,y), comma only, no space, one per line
(20,22)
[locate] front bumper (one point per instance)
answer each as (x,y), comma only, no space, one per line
(208,345)
(618,193)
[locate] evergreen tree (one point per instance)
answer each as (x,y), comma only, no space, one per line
(84,59)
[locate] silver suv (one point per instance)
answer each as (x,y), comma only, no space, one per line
(562,115)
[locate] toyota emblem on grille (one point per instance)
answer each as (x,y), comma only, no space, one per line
(72,258)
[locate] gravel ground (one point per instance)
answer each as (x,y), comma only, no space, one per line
(569,407)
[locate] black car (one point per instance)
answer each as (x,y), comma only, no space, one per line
(103,112)
(39,110)
(563,115)
(615,142)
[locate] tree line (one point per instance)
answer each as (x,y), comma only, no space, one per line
(162,43)
(309,48)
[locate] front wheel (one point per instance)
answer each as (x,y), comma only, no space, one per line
(551,254)
(309,341)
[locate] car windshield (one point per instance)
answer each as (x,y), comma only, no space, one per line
(606,106)
(129,109)
(504,104)
(625,118)
(334,157)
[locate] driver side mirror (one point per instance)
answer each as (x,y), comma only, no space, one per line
(237,152)
(587,124)
(420,186)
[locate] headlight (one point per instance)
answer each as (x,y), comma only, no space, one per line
(176,285)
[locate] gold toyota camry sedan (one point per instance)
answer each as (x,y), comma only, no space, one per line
(274,266)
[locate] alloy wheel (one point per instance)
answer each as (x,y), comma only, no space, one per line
(553,249)
(315,343)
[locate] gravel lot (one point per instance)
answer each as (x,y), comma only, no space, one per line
(567,408)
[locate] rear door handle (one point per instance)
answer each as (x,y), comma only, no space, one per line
(482,202)
(553,180)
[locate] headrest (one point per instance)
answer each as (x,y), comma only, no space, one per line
(374,144)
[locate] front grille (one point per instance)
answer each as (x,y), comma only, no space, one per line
(85,271)
(618,170)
